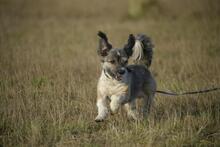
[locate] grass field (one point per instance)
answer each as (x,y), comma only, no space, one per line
(49,70)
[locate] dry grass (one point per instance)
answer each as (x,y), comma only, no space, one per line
(49,70)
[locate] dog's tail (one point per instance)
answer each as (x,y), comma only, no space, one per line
(142,50)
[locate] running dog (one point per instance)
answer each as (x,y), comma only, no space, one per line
(125,76)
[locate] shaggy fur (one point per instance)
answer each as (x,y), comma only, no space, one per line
(123,83)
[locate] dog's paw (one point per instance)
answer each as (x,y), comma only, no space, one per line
(99,119)
(133,115)
(112,113)
(114,107)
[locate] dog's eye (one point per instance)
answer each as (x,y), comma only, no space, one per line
(112,61)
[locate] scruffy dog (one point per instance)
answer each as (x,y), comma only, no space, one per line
(123,83)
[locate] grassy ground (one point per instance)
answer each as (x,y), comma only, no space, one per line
(49,70)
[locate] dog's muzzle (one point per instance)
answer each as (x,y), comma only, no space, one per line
(121,71)
(117,75)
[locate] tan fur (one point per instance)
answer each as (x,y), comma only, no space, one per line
(123,83)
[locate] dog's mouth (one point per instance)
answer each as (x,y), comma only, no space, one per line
(120,73)
(110,74)
(118,77)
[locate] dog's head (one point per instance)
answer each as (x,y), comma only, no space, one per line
(114,60)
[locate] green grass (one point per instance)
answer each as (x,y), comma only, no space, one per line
(49,70)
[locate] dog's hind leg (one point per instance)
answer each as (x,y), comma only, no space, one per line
(148,99)
(102,109)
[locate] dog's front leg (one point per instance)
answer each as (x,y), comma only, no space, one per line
(102,109)
(116,102)
(131,110)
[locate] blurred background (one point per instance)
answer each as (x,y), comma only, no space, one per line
(49,69)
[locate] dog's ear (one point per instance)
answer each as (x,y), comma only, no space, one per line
(128,47)
(104,45)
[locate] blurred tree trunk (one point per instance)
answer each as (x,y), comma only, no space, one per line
(136,8)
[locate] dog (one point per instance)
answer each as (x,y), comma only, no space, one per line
(125,76)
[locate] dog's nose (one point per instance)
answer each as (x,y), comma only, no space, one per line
(121,71)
